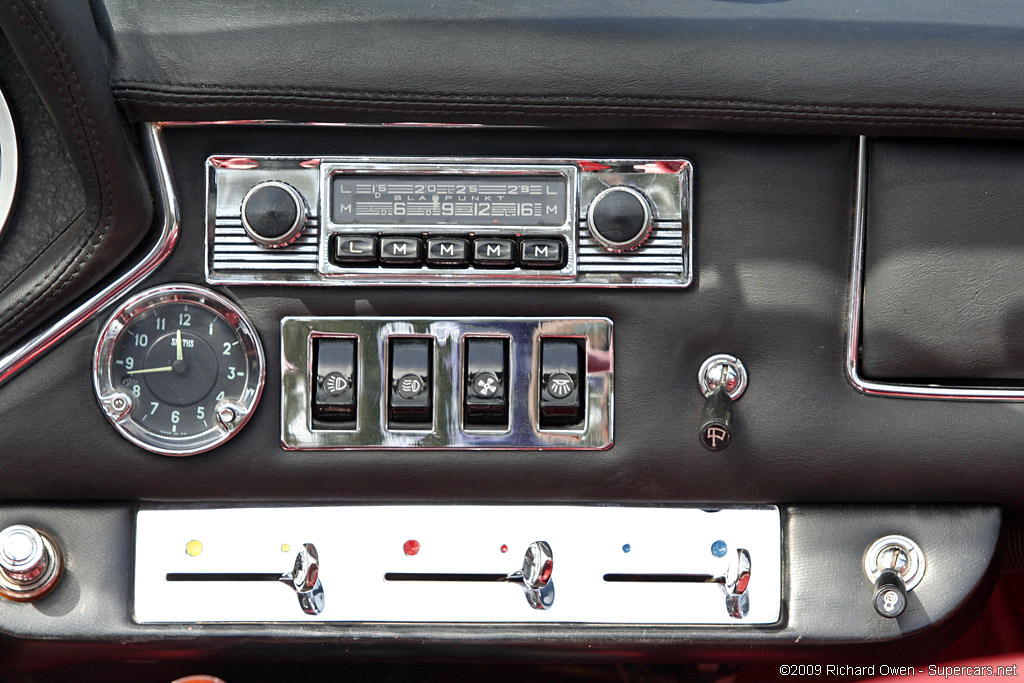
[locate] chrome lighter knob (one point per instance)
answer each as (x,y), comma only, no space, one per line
(30,563)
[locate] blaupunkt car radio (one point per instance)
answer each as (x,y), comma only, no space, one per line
(402,221)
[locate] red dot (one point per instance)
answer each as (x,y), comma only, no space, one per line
(411,547)
(504,548)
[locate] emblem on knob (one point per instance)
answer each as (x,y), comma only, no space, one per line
(273,214)
(620,219)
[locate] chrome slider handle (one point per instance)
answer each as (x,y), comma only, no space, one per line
(734,581)
(304,579)
(535,576)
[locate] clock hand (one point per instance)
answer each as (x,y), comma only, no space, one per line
(180,356)
(167,368)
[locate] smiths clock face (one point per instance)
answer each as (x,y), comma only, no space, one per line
(178,369)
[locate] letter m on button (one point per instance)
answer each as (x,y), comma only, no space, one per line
(540,250)
(494,250)
(447,250)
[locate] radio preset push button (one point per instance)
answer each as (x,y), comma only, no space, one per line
(399,251)
(355,250)
(541,253)
(494,253)
(447,251)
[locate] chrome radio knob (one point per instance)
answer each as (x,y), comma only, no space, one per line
(273,214)
(620,219)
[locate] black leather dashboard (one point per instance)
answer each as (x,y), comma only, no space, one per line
(816,133)
(803,66)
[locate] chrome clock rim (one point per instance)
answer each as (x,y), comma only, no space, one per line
(8,162)
(116,404)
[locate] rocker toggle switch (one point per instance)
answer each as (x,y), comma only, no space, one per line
(410,399)
(336,379)
(722,379)
(486,378)
(562,370)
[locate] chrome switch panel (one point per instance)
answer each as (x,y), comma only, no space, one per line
(413,384)
(461,563)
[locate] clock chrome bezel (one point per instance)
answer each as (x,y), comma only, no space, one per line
(117,404)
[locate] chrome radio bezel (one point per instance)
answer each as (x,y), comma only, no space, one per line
(664,260)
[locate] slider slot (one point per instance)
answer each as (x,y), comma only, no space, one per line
(399,576)
(660,578)
(184,576)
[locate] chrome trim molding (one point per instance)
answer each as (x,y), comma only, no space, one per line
(464,564)
(9,158)
(876,388)
(167,204)
(298,431)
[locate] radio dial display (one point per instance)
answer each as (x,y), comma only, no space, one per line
(491,200)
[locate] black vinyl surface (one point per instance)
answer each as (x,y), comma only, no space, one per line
(875,66)
(826,615)
(773,219)
(944,262)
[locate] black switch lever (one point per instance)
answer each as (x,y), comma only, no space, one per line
(890,594)
(716,420)
(722,379)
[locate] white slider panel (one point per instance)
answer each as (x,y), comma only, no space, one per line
(358,545)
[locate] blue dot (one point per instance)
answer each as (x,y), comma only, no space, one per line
(626,548)
(719,548)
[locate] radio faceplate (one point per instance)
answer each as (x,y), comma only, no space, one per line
(422,221)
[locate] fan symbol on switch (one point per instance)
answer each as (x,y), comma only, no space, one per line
(485,385)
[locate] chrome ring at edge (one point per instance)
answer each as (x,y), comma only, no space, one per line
(107,393)
(8,162)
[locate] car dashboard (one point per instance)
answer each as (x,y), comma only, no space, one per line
(336,335)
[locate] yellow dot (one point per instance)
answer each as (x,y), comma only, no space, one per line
(193,548)
(285,548)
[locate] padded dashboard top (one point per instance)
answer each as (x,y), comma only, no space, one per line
(797,66)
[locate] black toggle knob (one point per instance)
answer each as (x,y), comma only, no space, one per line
(890,594)
(716,420)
